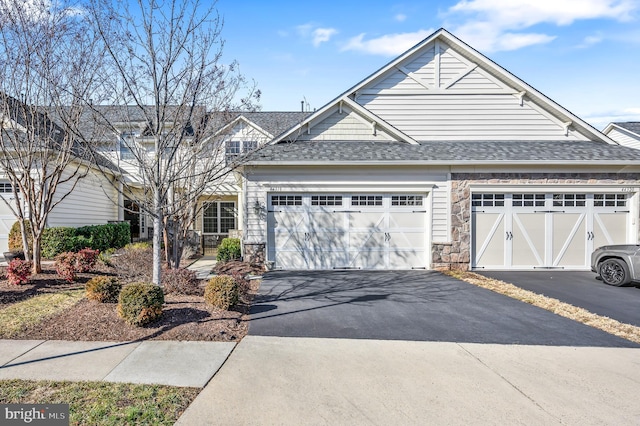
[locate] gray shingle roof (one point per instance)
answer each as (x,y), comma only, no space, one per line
(632,126)
(275,122)
(452,152)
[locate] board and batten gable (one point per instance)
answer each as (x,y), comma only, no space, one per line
(93,201)
(442,95)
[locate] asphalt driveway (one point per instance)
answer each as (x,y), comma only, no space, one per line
(579,289)
(407,305)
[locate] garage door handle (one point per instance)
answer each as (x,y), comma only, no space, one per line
(347,211)
(419,211)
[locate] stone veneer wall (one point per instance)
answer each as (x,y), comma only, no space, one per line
(457,253)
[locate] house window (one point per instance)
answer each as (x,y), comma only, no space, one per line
(406,200)
(234,149)
(610,200)
(487,200)
(219,217)
(286,200)
(326,200)
(126,142)
(569,200)
(528,200)
(366,200)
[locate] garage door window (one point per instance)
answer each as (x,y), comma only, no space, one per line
(569,200)
(6,188)
(286,200)
(406,200)
(326,200)
(528,200)
(610,200)
(366,200)
(487,200)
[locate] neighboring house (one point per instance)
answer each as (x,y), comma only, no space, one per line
(440,159)
(221,210)
(90,202)
(626,134)
(220,206)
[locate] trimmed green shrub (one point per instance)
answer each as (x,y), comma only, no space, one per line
(103,289)
(222,292)
(98,237)
(180,281)
(57,240)
(103,237)
(15,236)
(229,249)
(140,303)
(18,271)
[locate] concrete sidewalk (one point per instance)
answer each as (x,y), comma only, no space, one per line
(292,381)
(190,364)
(203,267)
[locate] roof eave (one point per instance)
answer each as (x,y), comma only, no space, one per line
(597,162)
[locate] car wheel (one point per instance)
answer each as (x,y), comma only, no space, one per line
(614,272)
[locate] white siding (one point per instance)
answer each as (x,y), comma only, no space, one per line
(465,117)
(343,126)
(92,202)
(440,203)
(624,138)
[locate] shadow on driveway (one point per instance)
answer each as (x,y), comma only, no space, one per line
(407,305)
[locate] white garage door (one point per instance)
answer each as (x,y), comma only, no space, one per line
(6,221)
(528,231)
(329,231)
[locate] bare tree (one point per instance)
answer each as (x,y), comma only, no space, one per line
(48,61)
(165,74)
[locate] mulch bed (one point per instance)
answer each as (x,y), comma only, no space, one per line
(184,317)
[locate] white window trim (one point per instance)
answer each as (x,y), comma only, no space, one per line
(219,216)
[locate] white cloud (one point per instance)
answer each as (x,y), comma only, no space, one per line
(525,13)
(400,17)
(502,24)
(321,35)
(318,35)
(590,41)
(387,45)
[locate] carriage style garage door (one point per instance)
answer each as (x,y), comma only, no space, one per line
(332,231)
(528,231)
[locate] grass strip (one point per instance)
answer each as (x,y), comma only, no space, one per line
(609,325)
(19,316)
(103,403)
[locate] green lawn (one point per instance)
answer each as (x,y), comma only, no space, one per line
(101,403)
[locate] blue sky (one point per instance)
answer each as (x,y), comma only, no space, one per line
(583,54)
